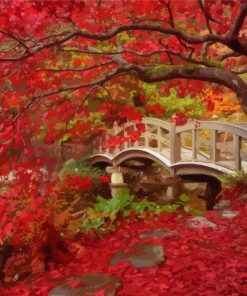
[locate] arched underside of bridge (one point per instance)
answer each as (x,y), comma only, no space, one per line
(148,156)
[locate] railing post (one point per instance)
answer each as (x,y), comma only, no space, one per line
(107,149)
(159,139)
(214,152)
(236,153)
(100,148)
(146,141)
(135,144)
(175,144)
(194,144)
(125,135)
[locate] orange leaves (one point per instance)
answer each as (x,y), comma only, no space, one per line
(220,103)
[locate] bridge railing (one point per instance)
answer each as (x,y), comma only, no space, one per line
(197,141)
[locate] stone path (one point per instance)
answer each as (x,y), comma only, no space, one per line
(89,283)
(141,255)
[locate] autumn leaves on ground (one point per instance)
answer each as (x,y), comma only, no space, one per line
(198,258)
(128,244)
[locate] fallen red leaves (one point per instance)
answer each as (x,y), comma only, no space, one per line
(199,261)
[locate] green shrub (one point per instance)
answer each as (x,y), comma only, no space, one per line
(105,212)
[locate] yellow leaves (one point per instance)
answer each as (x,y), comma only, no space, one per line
(238,116)
(204,134)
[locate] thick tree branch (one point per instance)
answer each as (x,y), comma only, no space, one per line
(237,24)
(142,54)
(219,76)
(240,71)
(215,75)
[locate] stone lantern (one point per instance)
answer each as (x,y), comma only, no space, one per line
(117,181)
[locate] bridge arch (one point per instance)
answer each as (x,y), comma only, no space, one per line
(164,143)
(142,153)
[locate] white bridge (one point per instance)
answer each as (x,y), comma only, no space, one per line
(198,147)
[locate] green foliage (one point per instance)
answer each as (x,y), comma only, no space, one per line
(80,168)
(165,67)
(238,178)
(143,205)
(215,64)
(105,212)
(170,208)
(193,108)
(184,197)
(151,91)
(172,103)
(124,37)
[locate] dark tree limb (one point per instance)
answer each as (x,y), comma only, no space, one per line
(238,23)
(240,47)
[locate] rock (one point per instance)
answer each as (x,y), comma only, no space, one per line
(229,214)
(90,284)
(158,232)
(200,222)
(141,255)
(198,188)
(224,203)
(63,290)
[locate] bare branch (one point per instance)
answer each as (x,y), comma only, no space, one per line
(18,40)
(168,5)
(142,54)
(207,16)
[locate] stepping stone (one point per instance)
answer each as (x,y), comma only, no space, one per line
(224,203)
(200,222)
(141,255)
(63,290)
(158,232)
(89,284)
(229,214)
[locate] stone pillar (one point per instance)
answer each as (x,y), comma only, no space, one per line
(173,187)
(117,181)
